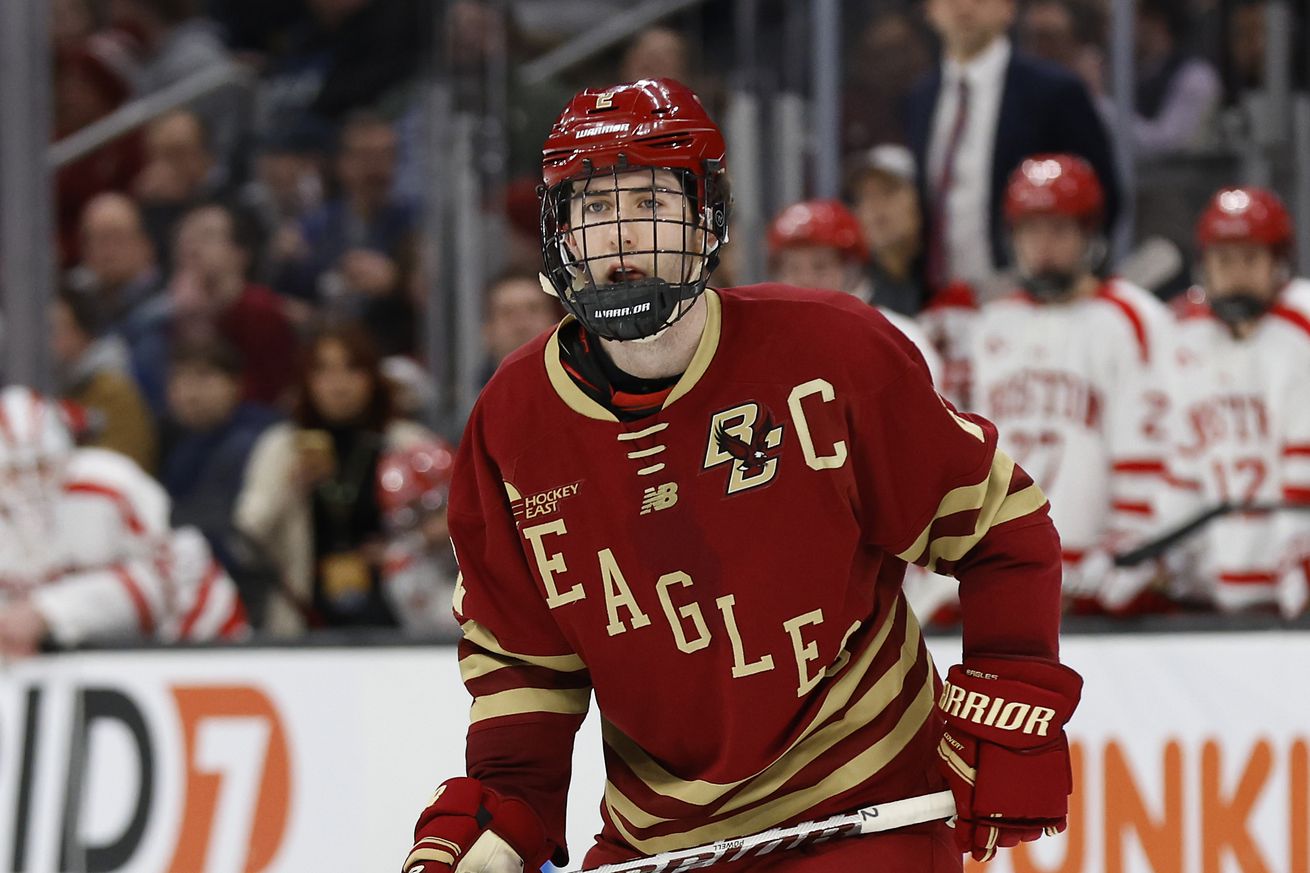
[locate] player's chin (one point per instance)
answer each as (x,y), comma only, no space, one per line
(642,340)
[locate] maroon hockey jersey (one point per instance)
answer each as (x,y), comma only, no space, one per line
(725,574)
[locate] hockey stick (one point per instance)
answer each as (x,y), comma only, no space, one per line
(1166,541)
(867,820)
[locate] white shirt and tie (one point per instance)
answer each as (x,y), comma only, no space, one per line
(960,163)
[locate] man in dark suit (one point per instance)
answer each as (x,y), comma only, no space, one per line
(974,119)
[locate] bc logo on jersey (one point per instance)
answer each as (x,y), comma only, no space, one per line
(739,437)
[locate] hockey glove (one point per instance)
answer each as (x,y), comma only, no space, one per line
(471,829)
(1004,751)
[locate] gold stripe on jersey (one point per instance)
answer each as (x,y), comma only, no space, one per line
(1019,504)
(642,434)
(852,773)
(519,701)
(800,755)
(485,639)
(475,665)
(990,498)
(564,385)
(709,344)
(701,792)
(968,427)
(580,403)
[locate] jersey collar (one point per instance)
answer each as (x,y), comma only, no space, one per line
(580,403)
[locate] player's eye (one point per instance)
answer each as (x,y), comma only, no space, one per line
(595,207)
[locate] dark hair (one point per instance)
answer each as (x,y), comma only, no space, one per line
(87,311)
(1172,12)
(513,274)
(213,353)
(170,11)
(362,352)
(361,119)
(244,230)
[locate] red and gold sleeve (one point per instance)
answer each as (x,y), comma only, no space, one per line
(935,490)
(530,689)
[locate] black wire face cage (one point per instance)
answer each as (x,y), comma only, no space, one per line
(595,224)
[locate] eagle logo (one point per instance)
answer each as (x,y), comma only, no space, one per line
(752,456)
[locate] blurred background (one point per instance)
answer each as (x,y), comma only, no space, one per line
(271,250)
(378,158)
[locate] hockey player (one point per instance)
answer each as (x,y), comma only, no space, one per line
(418,567)
(819,244)
(1073,369)
(698,504)
(85,549)
(1244,420)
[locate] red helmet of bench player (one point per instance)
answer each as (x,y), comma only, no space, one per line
(826,223)
(1246,215)
(1055,184)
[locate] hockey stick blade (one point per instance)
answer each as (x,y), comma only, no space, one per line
(867,820)
(1166,541)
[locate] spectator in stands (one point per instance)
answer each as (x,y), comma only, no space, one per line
(89,85)
(483,35)
(892,52)
(92,370)
(973,120)
(309,498)
(1246,35)
(656,53)
(886,203)
(174,41)
(180,172)
(515,311)
(355,250)
(1065,32)
(1177,92)
(210,294)
(118,262)
(207,437)
(286,186)
(345,56)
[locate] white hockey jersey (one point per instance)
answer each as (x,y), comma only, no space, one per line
(1243,432)
(1079,393)
(949,321)
(915,334)
(419,584)
(99,561)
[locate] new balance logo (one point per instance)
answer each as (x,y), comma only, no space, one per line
(655,499)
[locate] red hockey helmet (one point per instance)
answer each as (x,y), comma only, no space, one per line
(1055,184)
(413,481)
(826,223)
(1253,215)
(651,124)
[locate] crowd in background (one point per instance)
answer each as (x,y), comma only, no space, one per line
(242,279)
